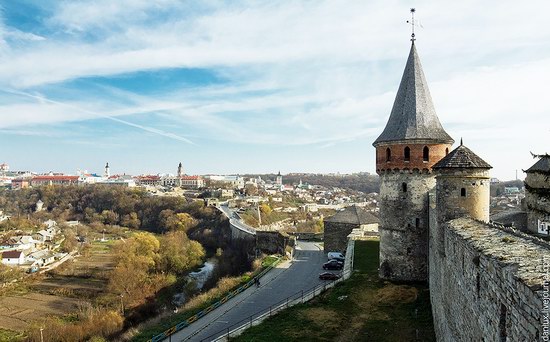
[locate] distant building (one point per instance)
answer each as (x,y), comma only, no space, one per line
(340,225)
(152,180)
(279,179)
(107,172)
(180,170)
(41,258)
(12,258)
(20,183)
(4,167)
(53,180)
(233,181)
(119,180)
(512,190)
(192,182)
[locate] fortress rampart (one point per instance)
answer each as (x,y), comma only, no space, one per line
(487,282)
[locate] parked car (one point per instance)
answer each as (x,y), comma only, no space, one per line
(336,255)
(333,265)
(329,276)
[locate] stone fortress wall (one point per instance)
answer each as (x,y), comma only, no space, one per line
(486,282)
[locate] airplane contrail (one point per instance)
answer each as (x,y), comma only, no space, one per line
(124,122)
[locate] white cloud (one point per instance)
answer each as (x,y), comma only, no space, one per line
(317,72)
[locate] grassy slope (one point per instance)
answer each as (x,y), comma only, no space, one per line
(11,336)
(363,308)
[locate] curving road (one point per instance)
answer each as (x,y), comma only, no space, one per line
(287,279)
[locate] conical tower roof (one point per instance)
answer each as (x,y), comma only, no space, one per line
(541,166)
(463,158)
(413,114)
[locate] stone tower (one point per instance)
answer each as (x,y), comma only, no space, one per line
(107,173)
(412,142)
(537,195)
(463,186)
(180,170)
(279,180)
(463,189)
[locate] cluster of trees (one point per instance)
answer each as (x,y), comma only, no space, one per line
(132,208)
(148,267)
(145,264)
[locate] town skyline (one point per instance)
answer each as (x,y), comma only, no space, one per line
(308,90)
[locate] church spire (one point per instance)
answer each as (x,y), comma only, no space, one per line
(413,116)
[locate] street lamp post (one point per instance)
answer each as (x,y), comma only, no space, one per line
(122,303)
(41,335)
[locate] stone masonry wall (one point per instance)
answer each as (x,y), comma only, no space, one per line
(272,242)
(486,285)
(336,236)
(404,225)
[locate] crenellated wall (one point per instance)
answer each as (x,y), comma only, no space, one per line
(486,282)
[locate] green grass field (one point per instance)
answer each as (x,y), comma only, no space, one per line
(363,308)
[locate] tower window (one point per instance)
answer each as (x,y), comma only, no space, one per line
(426,153)
(407,153)
(463,192)
(404,187)
(388,154)
(446,151)
(417,222)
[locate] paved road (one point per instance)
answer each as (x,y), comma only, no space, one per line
(235,220)
(288,278)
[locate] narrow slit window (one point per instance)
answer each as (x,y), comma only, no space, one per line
(407,153)
(404,187)
(388,154)
(463,192)
(426,154)
(446,151)
(417,222)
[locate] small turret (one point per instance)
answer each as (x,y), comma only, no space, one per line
(463,186)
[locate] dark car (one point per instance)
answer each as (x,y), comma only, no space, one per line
(329,276)
(333,265)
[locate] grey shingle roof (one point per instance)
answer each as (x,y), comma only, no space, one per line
(353,215)
(413,114)
(543,165)
(462,157)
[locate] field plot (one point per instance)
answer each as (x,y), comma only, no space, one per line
(16,312)
(60,291)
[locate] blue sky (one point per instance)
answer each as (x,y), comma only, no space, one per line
(249,86)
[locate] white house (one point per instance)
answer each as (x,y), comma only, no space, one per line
(44,235)
(12,258)
(42,257)
(22,242)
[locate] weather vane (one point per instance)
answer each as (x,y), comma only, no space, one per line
(412,22)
